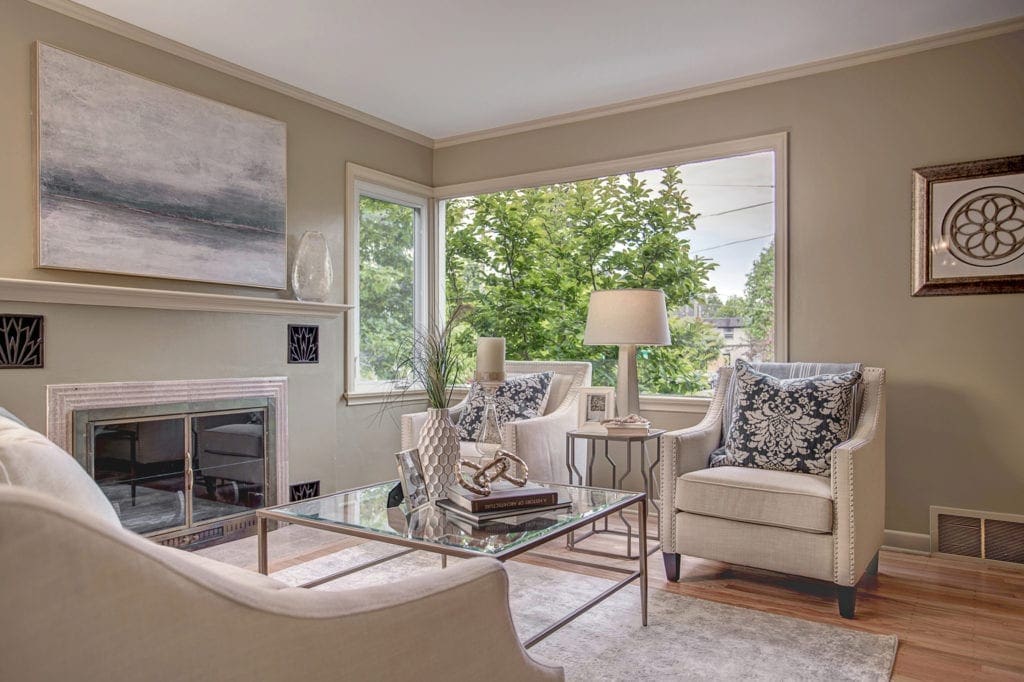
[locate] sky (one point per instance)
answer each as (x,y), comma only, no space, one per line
(734,198)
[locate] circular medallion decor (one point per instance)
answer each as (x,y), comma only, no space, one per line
(985,227)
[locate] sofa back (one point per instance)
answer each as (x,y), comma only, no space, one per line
(30,460)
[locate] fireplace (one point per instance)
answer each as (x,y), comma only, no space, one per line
(182,465)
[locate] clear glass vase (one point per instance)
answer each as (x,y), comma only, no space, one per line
(488,439)
(312,271)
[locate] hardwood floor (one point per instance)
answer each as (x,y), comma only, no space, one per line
(955,620)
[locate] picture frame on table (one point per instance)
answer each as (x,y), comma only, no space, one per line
(596,403)
(414,484)
(969,228)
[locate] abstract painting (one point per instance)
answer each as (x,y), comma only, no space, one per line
(969,228)
(139,178)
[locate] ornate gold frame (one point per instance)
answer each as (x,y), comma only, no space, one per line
(922,283)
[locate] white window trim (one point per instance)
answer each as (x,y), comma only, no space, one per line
(360,181)
(775,142)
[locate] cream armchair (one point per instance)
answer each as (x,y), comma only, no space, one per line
(540,441)
(813,526)
(83,599)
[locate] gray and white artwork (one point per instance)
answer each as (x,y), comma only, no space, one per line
(140,178)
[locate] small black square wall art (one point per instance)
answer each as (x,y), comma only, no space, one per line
(303,344)
(21,341)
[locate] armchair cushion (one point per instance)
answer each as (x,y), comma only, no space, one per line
(788,424)
(518,398)
(770,498)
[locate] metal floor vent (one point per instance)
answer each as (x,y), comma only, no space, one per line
(979,535)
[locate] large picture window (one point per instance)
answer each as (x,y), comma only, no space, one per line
(525,261)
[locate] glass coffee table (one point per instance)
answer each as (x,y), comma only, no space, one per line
(364,513)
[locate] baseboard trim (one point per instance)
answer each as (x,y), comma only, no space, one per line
(910,543)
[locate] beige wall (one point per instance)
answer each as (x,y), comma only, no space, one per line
(83,344)
(956,434)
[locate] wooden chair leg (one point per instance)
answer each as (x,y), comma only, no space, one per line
(847,600)
(672,564)
(872,568)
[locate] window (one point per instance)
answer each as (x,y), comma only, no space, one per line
(387,267)
(703,229)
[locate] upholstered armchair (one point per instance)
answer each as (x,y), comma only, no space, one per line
(828,528)
(540,441)
(82,598)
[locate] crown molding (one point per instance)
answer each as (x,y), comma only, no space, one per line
(787,73)
(140,35)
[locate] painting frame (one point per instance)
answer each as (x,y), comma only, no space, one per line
(413,480)
(925,181)
(588,411)
(280,258)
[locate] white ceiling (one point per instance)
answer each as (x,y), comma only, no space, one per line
(448,67)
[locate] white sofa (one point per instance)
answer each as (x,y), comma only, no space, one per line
(540,441)
(83,599)
(829,528)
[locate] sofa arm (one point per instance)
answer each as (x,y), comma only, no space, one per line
(540,441)
(688,450)
(120,604)
(858,486)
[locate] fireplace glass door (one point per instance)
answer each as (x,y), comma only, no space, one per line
(175,472)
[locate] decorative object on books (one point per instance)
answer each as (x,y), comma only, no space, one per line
(312,271)
(969,228)
(596,404)
(504,495)
(630,425)
(139,178)
(627,318)
(303,344)
(490,373)
(21,341)
(517,398)
(414,485)
(499,468)
(788,424)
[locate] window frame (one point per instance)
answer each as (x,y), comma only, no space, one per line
(774,142)
(361,181)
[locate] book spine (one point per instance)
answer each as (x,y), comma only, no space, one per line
(539,500)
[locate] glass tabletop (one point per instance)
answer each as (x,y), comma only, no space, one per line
(366,513)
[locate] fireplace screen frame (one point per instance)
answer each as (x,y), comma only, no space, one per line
(191,534)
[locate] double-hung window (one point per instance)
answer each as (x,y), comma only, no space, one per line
(387,270)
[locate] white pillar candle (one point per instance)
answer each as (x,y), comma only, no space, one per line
(490,358)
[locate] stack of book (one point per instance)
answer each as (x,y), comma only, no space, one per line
(506,500)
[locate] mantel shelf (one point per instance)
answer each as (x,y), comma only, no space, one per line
(41,291)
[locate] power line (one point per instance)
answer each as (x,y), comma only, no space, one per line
(734,210)
(738,241)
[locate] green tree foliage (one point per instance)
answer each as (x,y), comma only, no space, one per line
(386,284)
(758,304)
(527,260)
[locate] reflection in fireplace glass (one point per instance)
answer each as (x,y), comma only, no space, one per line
(228,463)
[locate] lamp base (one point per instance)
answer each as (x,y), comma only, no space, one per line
(627,388)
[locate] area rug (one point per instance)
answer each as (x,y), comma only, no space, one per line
(686,639)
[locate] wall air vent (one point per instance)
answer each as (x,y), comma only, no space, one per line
(981,535)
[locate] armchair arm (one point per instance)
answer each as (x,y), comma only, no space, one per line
(119,605)
(858,486)
(413,422)
(688,450)
(540,441)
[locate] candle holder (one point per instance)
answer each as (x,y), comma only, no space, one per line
(488,439)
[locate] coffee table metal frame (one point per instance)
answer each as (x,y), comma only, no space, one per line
(646,472)
(264,516)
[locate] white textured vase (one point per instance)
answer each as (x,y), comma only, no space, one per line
(312,271)
(439,452)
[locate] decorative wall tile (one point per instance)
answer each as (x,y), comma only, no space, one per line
(303,344)
(304,491)
(21,341)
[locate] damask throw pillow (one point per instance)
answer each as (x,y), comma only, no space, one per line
(788,424)
(518,398)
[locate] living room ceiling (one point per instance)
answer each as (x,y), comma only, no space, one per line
(450,67)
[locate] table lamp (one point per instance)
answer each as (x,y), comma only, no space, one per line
(490,373)
(627,318)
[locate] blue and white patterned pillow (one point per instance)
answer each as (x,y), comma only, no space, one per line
(788,424)
(518,398)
